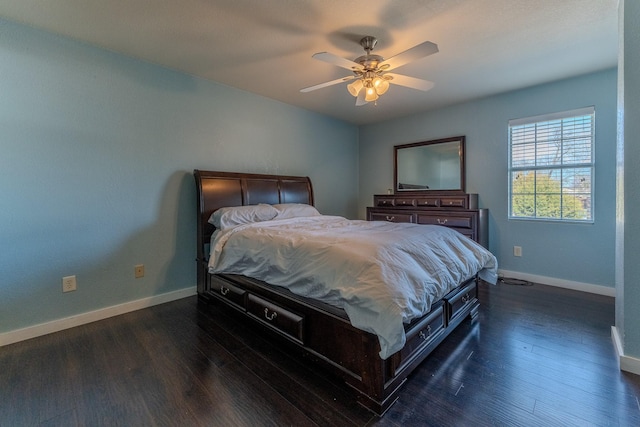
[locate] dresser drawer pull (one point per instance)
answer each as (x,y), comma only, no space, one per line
(390,218)
(465,298)
(266,314)
(224,290)
(442,221)
(428,334)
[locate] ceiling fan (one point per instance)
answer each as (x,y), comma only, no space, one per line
(371,76)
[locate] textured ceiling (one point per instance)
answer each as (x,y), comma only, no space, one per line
(265,47)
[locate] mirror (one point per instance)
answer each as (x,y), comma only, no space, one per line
(429,166)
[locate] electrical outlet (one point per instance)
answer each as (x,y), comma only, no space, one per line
(139,271)
(68,283)
(517,251)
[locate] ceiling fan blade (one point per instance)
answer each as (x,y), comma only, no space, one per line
(409,55)
(411,82)
(331,83)
(337,60)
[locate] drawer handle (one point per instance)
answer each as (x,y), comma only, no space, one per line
(442,221)
(390,218)
(224,290)
(422,334)
(466,298)
(266,314)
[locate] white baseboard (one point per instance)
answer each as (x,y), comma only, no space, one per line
(17,335)
(627,363)
(560,283)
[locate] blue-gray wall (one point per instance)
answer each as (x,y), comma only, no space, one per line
(96,158)
(581,253)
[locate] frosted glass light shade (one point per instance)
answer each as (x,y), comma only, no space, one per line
(355,87)
(381,85)
(371,94)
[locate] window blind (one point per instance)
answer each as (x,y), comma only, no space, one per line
(551,166)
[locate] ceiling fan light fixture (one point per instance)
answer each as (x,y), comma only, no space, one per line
(370,78)
(371,94)
(380,85)
(355,87)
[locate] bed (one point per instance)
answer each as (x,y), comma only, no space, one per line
(321,330)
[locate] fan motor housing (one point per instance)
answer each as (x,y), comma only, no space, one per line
(369,62)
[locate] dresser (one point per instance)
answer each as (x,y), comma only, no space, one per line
(450,209)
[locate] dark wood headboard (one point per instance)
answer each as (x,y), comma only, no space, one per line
(221,189)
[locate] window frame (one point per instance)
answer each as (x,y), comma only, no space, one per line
(562,166)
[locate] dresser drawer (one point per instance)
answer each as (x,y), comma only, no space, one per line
(446,219)
(453,202)
(459,300)
(276,317)
(419,336)
(391,217)
(385,201)
(228,292)
(403,201)
(395,201)
(428,202)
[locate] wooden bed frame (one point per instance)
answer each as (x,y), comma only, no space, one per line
(320,332)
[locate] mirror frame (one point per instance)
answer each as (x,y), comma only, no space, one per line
(460,139)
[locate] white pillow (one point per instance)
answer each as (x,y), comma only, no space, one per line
(237,215)
(295,210)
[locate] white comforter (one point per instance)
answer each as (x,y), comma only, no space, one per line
(382,274)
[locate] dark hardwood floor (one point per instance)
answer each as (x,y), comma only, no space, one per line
(535,356)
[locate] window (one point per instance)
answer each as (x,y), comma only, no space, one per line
(551,166)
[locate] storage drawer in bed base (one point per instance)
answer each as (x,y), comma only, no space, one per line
(278,318)
(419,336)
(461,298)
(228,292)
